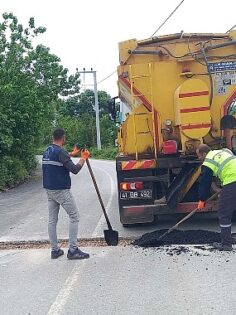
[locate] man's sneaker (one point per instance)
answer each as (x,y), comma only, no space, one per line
(222,247)
(76,254)
(56,253)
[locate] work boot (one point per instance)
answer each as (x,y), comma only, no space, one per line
(56,253)
(226,238)
(76,253)
(222,247)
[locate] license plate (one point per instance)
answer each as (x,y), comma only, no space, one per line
(141,194)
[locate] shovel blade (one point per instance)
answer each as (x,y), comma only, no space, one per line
(111,237)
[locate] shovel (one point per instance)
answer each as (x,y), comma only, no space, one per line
(111,236)
(183,220)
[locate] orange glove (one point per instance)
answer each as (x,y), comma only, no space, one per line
(75,151)
(85,154)
(201,204)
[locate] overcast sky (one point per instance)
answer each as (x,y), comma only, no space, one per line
(86,33)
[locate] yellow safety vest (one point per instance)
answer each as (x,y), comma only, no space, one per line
(223,164)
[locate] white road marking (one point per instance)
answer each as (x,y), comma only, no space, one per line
(63,295)
(72,280)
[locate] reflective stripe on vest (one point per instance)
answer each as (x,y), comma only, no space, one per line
(52,163)
(222,165)
(220,168)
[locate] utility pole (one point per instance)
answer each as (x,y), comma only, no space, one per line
(97,110)
(96,105)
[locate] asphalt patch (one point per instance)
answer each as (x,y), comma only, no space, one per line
(177,237)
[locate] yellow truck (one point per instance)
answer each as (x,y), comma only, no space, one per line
(181,92)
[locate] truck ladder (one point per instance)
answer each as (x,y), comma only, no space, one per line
(150,96)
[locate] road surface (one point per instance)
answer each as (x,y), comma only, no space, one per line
(23,210)
(118,280)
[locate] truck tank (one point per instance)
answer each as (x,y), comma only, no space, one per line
(181,92)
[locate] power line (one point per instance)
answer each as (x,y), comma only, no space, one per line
(167,18)
(107,77)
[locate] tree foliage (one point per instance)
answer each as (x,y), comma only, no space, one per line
(84,103)
(77,113)
(31,83)
(38,94)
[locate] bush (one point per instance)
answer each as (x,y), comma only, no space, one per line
(108,153)
(12,172)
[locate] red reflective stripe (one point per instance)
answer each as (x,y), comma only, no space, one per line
(138,164)
(156,131)
(146,103)
(194,109)
(147,164)
(148,106)
(196,126)
(129,165)
(134,209)
(190,94)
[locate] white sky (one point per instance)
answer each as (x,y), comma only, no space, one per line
(86,33)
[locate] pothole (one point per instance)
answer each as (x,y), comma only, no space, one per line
(178,237)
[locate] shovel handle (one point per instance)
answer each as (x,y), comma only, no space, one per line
(98,193)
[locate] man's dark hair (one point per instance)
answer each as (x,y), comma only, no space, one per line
(58,134)
(204,148)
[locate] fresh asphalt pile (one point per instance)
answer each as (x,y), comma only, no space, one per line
(177,237)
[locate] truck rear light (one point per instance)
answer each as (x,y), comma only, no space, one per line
(170,147)
(131,186)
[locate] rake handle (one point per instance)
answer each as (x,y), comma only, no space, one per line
(185,218)
(99,194)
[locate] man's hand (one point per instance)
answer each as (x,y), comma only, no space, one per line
(201,204)
(85,154)
(75,151)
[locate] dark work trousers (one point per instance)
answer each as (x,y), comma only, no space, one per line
(227,205)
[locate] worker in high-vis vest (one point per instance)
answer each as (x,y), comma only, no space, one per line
(221,164)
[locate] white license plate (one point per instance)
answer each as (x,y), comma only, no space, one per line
(140,194)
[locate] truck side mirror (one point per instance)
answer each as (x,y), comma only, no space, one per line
(112,108)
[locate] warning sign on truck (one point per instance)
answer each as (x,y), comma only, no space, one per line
(222,66)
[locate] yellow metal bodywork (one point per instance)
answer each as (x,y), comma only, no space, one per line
(144,131)
(152,82)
